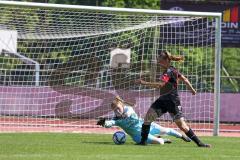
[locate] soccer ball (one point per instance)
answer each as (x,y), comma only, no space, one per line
(119,137)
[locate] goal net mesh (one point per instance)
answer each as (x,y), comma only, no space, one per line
(69,64)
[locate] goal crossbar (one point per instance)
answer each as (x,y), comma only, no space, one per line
(144,25)
(112,9)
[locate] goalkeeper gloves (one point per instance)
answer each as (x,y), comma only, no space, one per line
(101,121)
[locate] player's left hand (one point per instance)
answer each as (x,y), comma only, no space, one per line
(194,92)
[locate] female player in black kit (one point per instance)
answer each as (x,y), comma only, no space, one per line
(169,99)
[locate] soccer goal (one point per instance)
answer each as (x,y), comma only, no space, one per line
(62,65)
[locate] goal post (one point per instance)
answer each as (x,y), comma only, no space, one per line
(87,55)
(217,75)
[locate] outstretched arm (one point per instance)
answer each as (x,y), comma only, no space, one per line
(189,85)
(109,123)
(151,84)
(106,123)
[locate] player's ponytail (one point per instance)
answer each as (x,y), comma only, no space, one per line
(176,58)
(167,55)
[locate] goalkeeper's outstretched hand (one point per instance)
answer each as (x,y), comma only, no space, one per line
(101,121)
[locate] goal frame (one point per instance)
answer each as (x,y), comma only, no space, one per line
(217,16)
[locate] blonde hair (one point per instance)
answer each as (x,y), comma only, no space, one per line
(172,57)
(118,98)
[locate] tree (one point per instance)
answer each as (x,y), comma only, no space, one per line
(230,62)
(143,4)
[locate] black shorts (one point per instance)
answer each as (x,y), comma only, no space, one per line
(172,106)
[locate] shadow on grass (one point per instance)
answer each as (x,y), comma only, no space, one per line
(103,143)
(112,144)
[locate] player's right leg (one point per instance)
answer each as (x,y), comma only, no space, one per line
(150,116)
(153,112)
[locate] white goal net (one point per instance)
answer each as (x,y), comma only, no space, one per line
(71,61)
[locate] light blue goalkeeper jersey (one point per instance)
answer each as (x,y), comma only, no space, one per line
(130,122)
(132,125)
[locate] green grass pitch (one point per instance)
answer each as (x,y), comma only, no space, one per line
(59,146)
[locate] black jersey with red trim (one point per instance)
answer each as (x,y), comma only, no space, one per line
(170,78)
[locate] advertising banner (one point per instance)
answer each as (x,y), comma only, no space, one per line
(230,16)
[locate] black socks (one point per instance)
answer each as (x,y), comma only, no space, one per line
(144,133)
(193,137)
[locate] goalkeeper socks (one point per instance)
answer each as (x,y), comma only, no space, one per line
(193,137)
(172,132)
(144,133)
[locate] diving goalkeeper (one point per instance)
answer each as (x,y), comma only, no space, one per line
(127,119)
